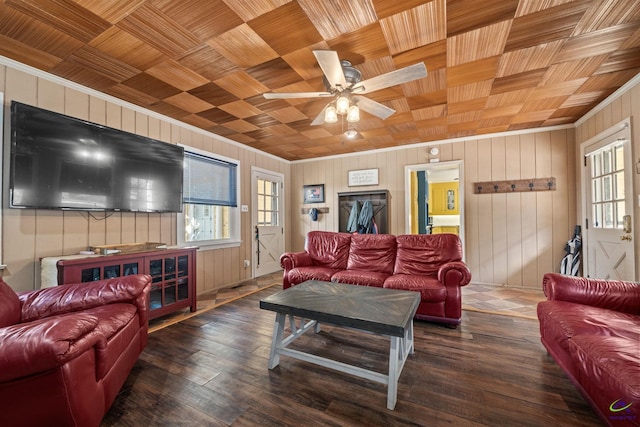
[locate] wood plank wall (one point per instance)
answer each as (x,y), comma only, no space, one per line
(510,239)
(29,234)
(624,106)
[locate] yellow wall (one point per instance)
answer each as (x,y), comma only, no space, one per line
(28,234)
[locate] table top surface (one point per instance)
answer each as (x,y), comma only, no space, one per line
(379,310)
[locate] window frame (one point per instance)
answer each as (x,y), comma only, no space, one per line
(234,215)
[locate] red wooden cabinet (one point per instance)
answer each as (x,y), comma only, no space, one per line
(173,273)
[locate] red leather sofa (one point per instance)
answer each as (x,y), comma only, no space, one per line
(430,264)
(592,330)
(66,351)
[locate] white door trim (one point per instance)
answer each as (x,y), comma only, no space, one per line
(452,164)
(254,211)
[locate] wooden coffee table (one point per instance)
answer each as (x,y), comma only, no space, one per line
(381,311)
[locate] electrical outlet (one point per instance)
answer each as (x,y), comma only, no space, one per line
(246,263)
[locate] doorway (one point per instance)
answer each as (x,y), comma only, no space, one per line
(268,220)
(607,177)
(434,198)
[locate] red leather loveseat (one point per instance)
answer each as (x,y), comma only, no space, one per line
(429,264)
(592,329)
(66,351)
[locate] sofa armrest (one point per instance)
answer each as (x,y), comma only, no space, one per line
(455,273)
(33,347)
(81,296)
(612,294)
(291,260)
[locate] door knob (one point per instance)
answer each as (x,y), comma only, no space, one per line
(626,223)
(626,237)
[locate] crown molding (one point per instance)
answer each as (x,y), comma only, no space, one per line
(97,94)
(112,99)
(609,99)
(442,142)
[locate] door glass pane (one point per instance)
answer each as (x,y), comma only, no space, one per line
(596,190)
(597,215)
(619,158)
(607,191)
(618,192)
(607,211)
(619,214)
(268,202)
(608,186)
(606,161)
(596,163)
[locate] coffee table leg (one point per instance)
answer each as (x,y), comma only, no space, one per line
(409,338)
(392,386)
(276,341)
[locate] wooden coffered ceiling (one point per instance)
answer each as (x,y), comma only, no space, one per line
(493,65)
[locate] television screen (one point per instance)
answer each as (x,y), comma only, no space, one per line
(59,162)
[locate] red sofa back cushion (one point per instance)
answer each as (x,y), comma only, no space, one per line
(328,249)
(9,306)
(424,254)
(372,252)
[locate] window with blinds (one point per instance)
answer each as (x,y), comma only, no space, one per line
(210,199)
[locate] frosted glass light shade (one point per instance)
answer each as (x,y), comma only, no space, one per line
(330,114)
(353,115)
(342,104)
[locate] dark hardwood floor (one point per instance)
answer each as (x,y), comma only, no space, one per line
(211,370)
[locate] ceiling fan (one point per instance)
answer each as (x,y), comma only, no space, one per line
(343,83)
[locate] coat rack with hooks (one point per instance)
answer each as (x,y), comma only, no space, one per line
(515,186)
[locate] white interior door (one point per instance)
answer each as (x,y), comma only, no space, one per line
(268,218)
(609,245)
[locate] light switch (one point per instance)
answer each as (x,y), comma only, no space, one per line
(244,208)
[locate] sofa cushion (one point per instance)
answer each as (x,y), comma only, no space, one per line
(570,319)
(9,306)
(302,274)
(431,290)
(328,249)
(360,277)
(608,369)
(375,252)
(560,321)
(424,254)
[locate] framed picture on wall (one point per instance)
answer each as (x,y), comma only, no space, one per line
(313,193)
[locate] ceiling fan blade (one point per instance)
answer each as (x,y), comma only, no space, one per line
(282,95)
(320,117)
(383,81)
(331,67)
(373,107)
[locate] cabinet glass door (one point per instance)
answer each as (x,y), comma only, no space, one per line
(90,274)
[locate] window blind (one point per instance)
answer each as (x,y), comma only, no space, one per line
(209,181)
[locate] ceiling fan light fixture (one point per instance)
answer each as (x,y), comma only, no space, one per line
(351,133)
(342,104)
(353,114)
(330,114)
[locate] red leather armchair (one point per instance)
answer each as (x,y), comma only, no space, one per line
(66,351)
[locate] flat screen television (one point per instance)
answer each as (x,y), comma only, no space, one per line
(60,162)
